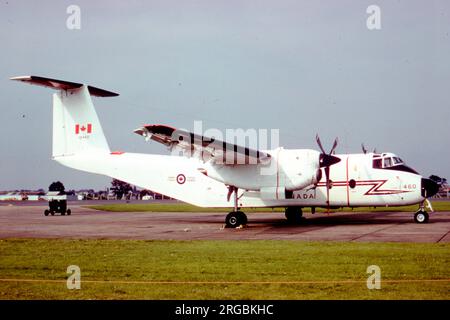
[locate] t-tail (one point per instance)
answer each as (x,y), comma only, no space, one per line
(76,127)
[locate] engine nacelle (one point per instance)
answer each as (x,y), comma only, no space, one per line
(288,170)
(298,169)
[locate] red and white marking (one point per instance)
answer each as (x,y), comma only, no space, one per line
(81,128)
(181,178)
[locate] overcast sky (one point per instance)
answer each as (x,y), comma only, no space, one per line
(303,67)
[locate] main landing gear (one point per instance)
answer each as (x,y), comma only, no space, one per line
(235,218)
(294,215)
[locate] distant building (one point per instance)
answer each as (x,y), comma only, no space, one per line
(11,196)
(83,194)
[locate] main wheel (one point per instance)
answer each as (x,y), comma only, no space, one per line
(46,212)
(294,214)
(235,219)
(69,212)
(52,213)
(421,217)
(242,217)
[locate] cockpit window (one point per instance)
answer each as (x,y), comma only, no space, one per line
(390,162)
(377,163)
(387,162)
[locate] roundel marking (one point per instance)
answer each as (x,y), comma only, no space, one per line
(181,178)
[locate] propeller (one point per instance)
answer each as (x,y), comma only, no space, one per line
(326,160)
(363,148)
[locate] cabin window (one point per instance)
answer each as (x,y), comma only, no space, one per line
(397,160)
(352,183)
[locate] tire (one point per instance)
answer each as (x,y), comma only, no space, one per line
(69,212)
(421,217)
(46,212)
(52,213)
(63,213)
(242,217)
(235,219)
(294,215)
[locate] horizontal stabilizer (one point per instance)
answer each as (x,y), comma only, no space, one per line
(63,85)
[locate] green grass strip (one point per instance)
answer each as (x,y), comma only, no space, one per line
(137,269)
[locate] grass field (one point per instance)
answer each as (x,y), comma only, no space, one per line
(135,269)
(183,207)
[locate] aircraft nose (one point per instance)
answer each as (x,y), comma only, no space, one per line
(429,188)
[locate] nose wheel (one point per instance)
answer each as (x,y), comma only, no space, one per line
(235,218)
(421,216)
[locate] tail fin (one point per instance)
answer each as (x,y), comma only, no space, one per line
(76,127)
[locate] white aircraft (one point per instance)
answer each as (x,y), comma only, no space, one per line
(211,171)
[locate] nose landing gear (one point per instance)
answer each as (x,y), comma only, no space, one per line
(421,216)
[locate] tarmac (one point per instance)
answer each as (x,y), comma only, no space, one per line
(28,221)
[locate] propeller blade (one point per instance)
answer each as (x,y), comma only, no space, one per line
(325,161)
(320,144)
(327,176)
(334,146)
(363,148)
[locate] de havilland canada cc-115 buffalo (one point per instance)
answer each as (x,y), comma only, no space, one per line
(214,173)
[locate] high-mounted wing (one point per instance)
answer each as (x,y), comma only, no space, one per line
(206,148)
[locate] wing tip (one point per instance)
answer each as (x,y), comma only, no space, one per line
(139,131)
(20,78)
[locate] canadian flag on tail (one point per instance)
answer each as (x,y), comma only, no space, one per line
(81,128)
